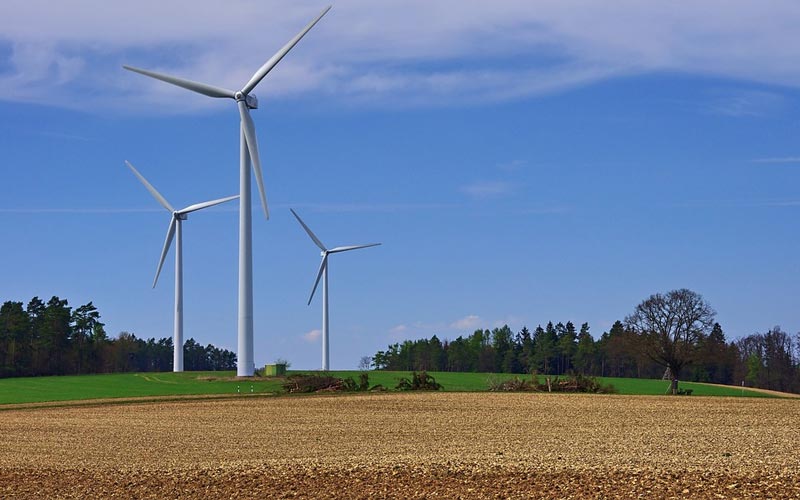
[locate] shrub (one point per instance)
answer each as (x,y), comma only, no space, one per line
(310,383)
(515,384)
(573,383)
(421,381)
(306,383)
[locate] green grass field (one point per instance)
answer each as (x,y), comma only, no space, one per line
(126,385)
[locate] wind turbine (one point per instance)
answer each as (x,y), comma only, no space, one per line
(323,273)
(248,145)
(174,230)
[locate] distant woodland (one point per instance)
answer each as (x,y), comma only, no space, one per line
(52,338)
(763,360)
(769,360)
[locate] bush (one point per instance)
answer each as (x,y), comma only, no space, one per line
(573,383)
(419,382)
(363,382)
(306,383)
(515,384)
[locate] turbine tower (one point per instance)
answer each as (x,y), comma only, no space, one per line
(175,230)
(323,273)
(248,145)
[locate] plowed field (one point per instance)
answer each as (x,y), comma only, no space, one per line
(450,445)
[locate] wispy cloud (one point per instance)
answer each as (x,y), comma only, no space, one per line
(367,207)
(747,103)
(511,166)
(785,159)
(735,203)
(398,329)
(99,211)
(466,323)
(65,136)
(514,322)
(779,203)
(312,336)
(391,53)
(551,210)
(66,210)
(487,189)
(399,332)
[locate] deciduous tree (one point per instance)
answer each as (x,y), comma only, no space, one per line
(670,326)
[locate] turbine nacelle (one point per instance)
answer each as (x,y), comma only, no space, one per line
(250,99)
(180,216)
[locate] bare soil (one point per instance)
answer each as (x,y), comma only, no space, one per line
(431,445)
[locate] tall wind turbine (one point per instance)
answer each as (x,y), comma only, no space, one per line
(323,273)
(245,101)
(175,230)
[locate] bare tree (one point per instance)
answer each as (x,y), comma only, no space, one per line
(671,326)
(365,363)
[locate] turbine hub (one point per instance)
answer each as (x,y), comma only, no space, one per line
(249,99)
(181,216)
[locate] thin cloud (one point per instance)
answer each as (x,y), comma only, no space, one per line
(784,203)
(786,159)
(466,323)
(399,332)
(747,103)
(513,322)
(312,336)
(368,207)
(398,329)
(397,53)
(511,166)
(487,189)
(98,211)
(551,210)
(734,204)
(69,137)
(65,210)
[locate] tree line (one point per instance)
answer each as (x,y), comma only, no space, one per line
(656,337)
(52,338)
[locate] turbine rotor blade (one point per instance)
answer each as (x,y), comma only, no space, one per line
(249,129)
(200,88)
(150,188)
(205,204)
(267,67)
(167,243)
(354,247)
(322,266)
(308,230)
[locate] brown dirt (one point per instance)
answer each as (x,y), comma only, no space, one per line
(450,445)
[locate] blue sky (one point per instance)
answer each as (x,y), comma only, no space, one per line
(520,162)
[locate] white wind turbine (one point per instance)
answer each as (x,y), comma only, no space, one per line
(174,230)
(245,101)
(323,273)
